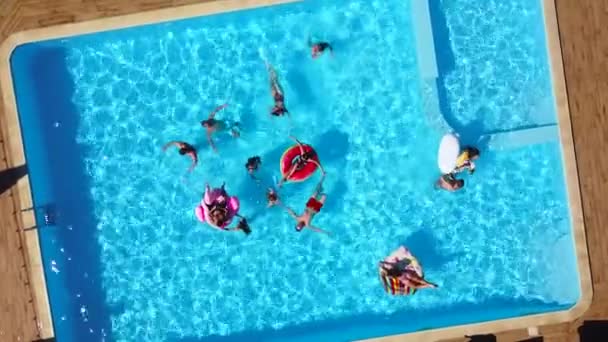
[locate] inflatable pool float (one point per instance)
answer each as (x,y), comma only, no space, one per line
(211,197)
(290,158)
(449,149)
(392,285)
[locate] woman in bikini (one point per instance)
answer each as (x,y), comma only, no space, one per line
(313,206)
(301,160)
(184,149)
(279,108)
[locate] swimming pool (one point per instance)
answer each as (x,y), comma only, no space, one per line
(128,258)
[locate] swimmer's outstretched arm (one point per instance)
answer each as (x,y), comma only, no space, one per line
(318,230)
(171,143)
(289,211)
(212,114)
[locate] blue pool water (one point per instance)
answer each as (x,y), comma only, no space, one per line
(128,260)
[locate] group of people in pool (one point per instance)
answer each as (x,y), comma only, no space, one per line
(464,162)
(213,126)
(401,274)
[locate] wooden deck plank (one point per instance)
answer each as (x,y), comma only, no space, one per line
(585,53)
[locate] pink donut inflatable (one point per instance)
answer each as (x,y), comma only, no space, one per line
(212,196)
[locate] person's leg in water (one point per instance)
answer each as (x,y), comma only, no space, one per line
(275,86)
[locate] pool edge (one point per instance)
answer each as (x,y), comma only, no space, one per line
(16,155)
(23,199)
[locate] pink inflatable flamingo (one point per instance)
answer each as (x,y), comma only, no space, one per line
(216,196)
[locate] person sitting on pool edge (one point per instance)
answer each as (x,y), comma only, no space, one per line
(184,149)
(313,206)
(213,125)
(449,182)
(276,91)
(300,162)
(319,47)
(465,160)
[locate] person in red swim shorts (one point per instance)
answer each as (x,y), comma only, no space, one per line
(313,207)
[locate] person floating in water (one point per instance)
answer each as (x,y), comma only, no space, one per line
(252,165)
(449,182)
(276,91)
(313,207)
(465,160)
(272,197)
(302,159)
(213,125)
(319,47)
(184,149)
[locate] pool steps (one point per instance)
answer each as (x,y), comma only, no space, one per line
(427,65)
(521,137)
(545,130)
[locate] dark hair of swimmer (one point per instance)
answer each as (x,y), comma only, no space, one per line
(244,226)
(253,163)
(459,183)
(473,152)
(322,46)
(208,122)
(300,226)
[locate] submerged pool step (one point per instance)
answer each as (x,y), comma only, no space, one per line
(521,137)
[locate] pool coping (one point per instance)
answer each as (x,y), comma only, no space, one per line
(16,157)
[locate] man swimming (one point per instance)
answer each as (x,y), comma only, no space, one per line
(184,149)
(319,47)
(313,206)
(276,91)
(300,162)
(449,182)
(213,125)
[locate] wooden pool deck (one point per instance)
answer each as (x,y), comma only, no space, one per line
(584,38)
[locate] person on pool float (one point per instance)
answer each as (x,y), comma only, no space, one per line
(184,149)
(300,162)
(276,91)
(219,214)
(319,47)
(406,276)
(313,206)
(465,160)
(213,125)
(449,182)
